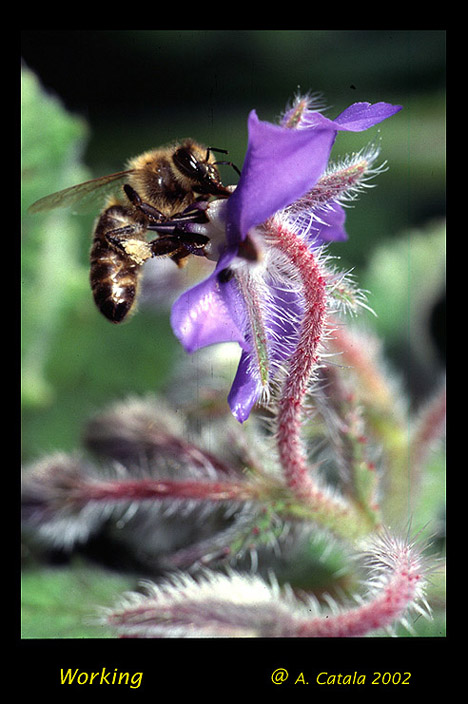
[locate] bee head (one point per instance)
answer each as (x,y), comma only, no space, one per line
(194,163)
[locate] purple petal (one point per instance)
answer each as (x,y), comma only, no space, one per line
(244,391)
(329,227)
(361,116)
(280,166)
(206,314)
(356,118)
(283,307)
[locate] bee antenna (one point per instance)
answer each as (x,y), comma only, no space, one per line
(215,149)
(229,163)
(225,163)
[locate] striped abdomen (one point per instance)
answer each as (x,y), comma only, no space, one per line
(114,275)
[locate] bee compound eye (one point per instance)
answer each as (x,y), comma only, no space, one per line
(186,161)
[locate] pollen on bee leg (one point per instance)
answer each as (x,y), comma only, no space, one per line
(139,251)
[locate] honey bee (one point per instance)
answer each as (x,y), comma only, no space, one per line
(161,191)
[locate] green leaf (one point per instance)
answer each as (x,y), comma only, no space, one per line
(61,602)
(51,268)
(405,278)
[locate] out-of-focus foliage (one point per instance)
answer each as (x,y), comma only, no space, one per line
(51,274)
(56,601)
(406,283)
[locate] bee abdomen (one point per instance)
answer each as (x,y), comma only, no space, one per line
(114,285)
(114,276)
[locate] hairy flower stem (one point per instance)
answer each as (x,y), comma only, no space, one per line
(388,605)
(240,605)
(144,489)
(301,364)
(292,455)
(374,388)
(390,425)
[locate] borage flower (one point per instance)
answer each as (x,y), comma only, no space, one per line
(286,199)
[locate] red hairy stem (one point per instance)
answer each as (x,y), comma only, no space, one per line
(373,386)
(140,490)
(301,364)
(384,610)
(344,518)
(402,589)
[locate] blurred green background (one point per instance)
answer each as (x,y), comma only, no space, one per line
(93,98)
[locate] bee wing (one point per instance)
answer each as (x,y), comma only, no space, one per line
(81,194)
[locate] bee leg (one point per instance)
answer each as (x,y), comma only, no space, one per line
(178,222)
(194,243)
(150,211)
(137,250)
(170,247)
(116,238)
(165,246)
(190,242)
(176,249)
(181,258)
(160,222)
(174,225)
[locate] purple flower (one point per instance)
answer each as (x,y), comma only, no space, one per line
(285,170)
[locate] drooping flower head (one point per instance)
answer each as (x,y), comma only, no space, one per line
(250,298)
